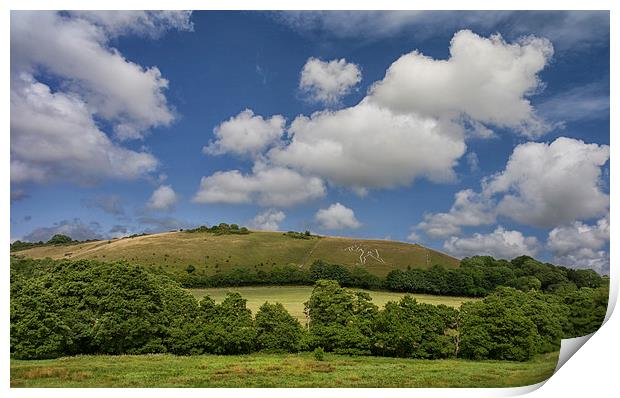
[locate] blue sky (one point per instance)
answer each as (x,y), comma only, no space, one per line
(430,128)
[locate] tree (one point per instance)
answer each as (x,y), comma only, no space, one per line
(276,329)
(228,327)
(587,309)
(59,239)
(497,328)
(324,270)
(340,320)
(411,329)
(86,307)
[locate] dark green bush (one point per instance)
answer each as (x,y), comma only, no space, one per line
(277,330)
(411,329)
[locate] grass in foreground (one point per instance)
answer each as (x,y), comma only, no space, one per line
(294,297)
(276,370)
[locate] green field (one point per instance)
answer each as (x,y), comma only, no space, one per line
(276,370)
(294,297)
(209,253)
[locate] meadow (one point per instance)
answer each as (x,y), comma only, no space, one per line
(276,370)
(294,297)
(210,253)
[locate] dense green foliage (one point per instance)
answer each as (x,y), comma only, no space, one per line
(221,229)
(299,235)
(480,275)
(85,307)
(277,330)
(413,330)
(340,319)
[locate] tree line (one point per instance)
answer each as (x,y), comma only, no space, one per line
(86,307)
(476,277)
(57,239)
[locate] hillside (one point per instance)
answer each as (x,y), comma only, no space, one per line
(174,251)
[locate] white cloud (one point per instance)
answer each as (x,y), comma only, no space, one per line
(245,133)
(485,79)
(269,220)
(336,216)
(146,23)
(500,243)
(54,137)
(542,185)
(412,123)
(77,51)
(269,186)
(580,245)
(55,134)
(328,81)
(367,146)
(547,185)
(470,209)
(163,198)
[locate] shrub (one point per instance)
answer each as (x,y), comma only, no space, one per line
(319,354)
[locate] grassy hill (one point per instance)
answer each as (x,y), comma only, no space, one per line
(209,253)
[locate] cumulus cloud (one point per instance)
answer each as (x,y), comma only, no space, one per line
(500,243)
(163,198)
(245,133)
(76,229)
(542,185)
(327,82)
(337,216)
(547,185)
(581,245)
(485,79)
(269,220)
(76,50)
(367,146)
(412,123)
(470,209)
(54,137)
(269,186)
(55,133)
(111,204)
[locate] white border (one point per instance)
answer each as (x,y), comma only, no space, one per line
(591,371)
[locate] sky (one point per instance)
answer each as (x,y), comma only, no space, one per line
(468,132)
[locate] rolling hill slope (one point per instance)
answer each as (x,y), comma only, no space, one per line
(174,251)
